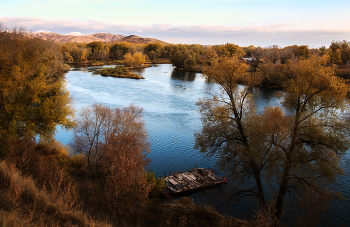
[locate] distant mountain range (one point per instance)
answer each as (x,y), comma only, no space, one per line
(104,37)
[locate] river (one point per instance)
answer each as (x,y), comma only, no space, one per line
(169,101)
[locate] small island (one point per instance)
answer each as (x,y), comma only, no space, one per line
(120,72)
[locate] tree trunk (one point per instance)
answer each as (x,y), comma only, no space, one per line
(282,191)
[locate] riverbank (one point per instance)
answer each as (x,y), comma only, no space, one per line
(120,62)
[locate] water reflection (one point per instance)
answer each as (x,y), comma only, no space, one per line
(139,71)
(184,76)
(266,93)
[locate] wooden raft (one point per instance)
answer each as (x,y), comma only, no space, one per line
(191,179)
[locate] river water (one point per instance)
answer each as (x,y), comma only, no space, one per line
(169,101)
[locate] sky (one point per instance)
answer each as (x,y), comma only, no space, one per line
(262,23)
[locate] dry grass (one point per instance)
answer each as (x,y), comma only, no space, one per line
(184,212)
(23,204)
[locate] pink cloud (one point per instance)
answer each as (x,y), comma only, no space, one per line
(243,35)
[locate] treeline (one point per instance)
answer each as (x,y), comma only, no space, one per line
(191,56)
(271,61)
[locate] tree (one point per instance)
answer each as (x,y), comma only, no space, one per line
(156,47)
(303,51)
(339,52)
(134,60)
(33,99)
(124,178)
(229,50)
(99,50)
(139,59)
(183,57)
(118,50)
(152,55)
(235,50)
(292,152)
(128,60)
(97,122)
(224,117)
(316,139)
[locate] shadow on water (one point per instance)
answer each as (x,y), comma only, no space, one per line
(265,93)
(139,71)
(184,76)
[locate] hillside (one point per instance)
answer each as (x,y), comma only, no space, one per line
(103,37)
(140,40)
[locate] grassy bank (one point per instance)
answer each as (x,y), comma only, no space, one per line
(120,72)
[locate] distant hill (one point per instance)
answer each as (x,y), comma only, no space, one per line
(138,39)
(103,37)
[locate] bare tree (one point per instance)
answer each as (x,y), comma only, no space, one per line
(97,122)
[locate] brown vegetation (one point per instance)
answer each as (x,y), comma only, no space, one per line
(124,179)
(22,203)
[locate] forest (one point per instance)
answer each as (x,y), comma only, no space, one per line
(100,179)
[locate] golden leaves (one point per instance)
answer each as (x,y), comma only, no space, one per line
(33,97)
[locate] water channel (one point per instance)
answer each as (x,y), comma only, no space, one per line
(169,101)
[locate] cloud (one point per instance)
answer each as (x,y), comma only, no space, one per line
(74,33)
(243,35)
(42,31)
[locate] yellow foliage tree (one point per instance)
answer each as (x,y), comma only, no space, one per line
(134,60)
(293,152)
(33,99)
(128,60)
(139,59)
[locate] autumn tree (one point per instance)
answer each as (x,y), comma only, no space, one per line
(139,59)
(97,122)
(119,49)
(152,55)
(317,134)
(291,152)
(76,53)
(303,51)
(99,50)
(224,116)
(229,50)
(156,48)
(134,60)
(339,52)
(124,178)
(128,60)
(33,98)
(183,57)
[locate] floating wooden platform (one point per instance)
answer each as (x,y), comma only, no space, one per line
(191,179)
